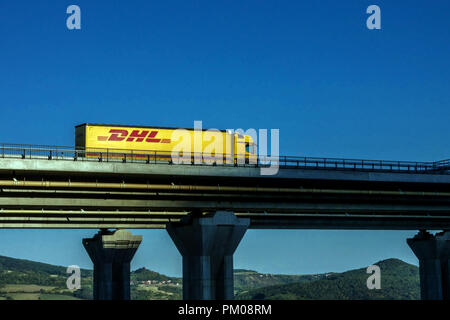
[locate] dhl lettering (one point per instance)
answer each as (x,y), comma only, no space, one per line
(134,136)
(140,136)
(153,135)
(115,135)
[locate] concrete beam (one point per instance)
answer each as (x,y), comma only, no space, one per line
(111,253)
(206,205)
(14,225)
(207,245)
(262,220)
(350,222)
(433,253)
(92,167)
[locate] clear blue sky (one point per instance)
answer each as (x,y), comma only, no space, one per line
(310,68)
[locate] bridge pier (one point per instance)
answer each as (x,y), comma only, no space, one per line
(111,253)
(433,252)
(207,245)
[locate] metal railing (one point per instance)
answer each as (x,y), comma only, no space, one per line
(443,164)
(22,151)
(358,164)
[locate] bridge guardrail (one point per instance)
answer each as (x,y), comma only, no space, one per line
(22,151)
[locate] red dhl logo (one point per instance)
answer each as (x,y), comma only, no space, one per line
(134,136)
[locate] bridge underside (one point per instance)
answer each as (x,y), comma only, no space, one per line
(207,210)
(64,194)
(25,221)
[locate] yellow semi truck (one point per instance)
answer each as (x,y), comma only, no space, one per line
(164,143)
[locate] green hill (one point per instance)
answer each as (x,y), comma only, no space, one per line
(19,271)
(24,279)
(21,265)
(399,280)
(144,274)
(248,279)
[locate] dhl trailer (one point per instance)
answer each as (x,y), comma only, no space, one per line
(161,143)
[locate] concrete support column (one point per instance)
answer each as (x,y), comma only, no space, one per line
(111,253)
(433,253)
(207,245)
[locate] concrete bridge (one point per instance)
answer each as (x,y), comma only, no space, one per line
(206,209)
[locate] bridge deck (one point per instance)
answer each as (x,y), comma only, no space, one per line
(43,191)
(158,157)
